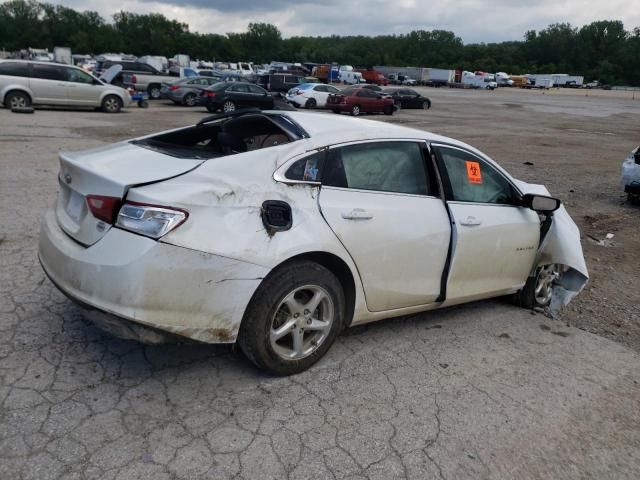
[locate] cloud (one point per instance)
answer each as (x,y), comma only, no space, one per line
(472,20)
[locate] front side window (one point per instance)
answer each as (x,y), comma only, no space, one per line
(78,76)
(397,167)
(474,180)
(255,89)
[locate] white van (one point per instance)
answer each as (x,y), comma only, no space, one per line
(350,77)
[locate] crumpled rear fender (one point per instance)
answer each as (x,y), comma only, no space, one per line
(561,246)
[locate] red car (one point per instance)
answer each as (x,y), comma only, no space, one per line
(357,100)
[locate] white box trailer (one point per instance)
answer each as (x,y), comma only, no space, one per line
(419,74)
(62,55)
(548,80)
(441,75)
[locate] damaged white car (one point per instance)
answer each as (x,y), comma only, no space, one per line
(631,176)
(276,230)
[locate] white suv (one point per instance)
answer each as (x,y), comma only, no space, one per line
(311,95)
(23,83)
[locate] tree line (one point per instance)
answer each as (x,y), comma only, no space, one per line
(601,50)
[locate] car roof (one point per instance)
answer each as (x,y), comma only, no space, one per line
(39,62)
(328,129)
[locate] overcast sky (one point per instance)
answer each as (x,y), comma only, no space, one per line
(472,20)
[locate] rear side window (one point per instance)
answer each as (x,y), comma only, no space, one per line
(255,89)
(397,167)
(49,72)
(473,180)
(14,69)
(305,170)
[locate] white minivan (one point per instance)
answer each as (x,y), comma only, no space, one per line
(25,83)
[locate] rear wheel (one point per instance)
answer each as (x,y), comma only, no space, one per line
(190,99)
(17,100)
(111,104)
(355,110)
(228,106)
(538,290)
(293,318)
(388,109)
(311,103)
(154,91)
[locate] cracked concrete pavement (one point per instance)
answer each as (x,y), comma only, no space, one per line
(481,391)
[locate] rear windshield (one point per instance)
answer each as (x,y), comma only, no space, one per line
(226,136)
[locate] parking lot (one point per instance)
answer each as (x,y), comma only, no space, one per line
(487,390)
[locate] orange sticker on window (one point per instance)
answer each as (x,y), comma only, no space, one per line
(474,175)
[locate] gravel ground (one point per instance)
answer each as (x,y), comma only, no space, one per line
(480,391)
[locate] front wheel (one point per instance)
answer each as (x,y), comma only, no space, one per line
(293,318)
(426,105)
(538,290)
(111,104)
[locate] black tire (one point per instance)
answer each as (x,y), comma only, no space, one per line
(190,100)
(388,109)
(311,103)
(154,91)
(254,337)
(111,104)
(17,100)
(528,297)
(355,110)
(426,105)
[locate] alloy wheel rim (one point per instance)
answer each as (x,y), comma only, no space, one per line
(191,100)
(547,276)
(18,102)
(356,110)
(228,107)
(302,322)
(111,104)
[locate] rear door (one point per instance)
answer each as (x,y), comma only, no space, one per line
(380,200)
(239,93)
(48,83)
(495,240)
(261,97)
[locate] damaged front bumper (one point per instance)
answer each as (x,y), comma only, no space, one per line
(151,284)
(561,245)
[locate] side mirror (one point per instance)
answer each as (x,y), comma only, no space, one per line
(541,203)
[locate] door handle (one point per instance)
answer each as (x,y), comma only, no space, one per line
(471,221)
(357,214)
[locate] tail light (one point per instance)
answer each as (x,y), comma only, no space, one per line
(152,221)
(103,208)
(173,88)
(206,93)
(134,79)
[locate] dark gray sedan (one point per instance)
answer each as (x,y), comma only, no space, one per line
(186,91)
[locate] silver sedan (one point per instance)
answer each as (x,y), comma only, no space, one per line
(185,91)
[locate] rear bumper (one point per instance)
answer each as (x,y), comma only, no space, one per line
(173,289)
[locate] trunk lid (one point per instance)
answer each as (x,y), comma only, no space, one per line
(109,172)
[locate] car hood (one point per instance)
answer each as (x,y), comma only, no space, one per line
(110,73)
(561,246)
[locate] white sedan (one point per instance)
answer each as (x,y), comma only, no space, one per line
(311,95)
(276,230)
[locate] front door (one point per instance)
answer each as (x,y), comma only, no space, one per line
(378,199)
(82,89)
(495,241)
